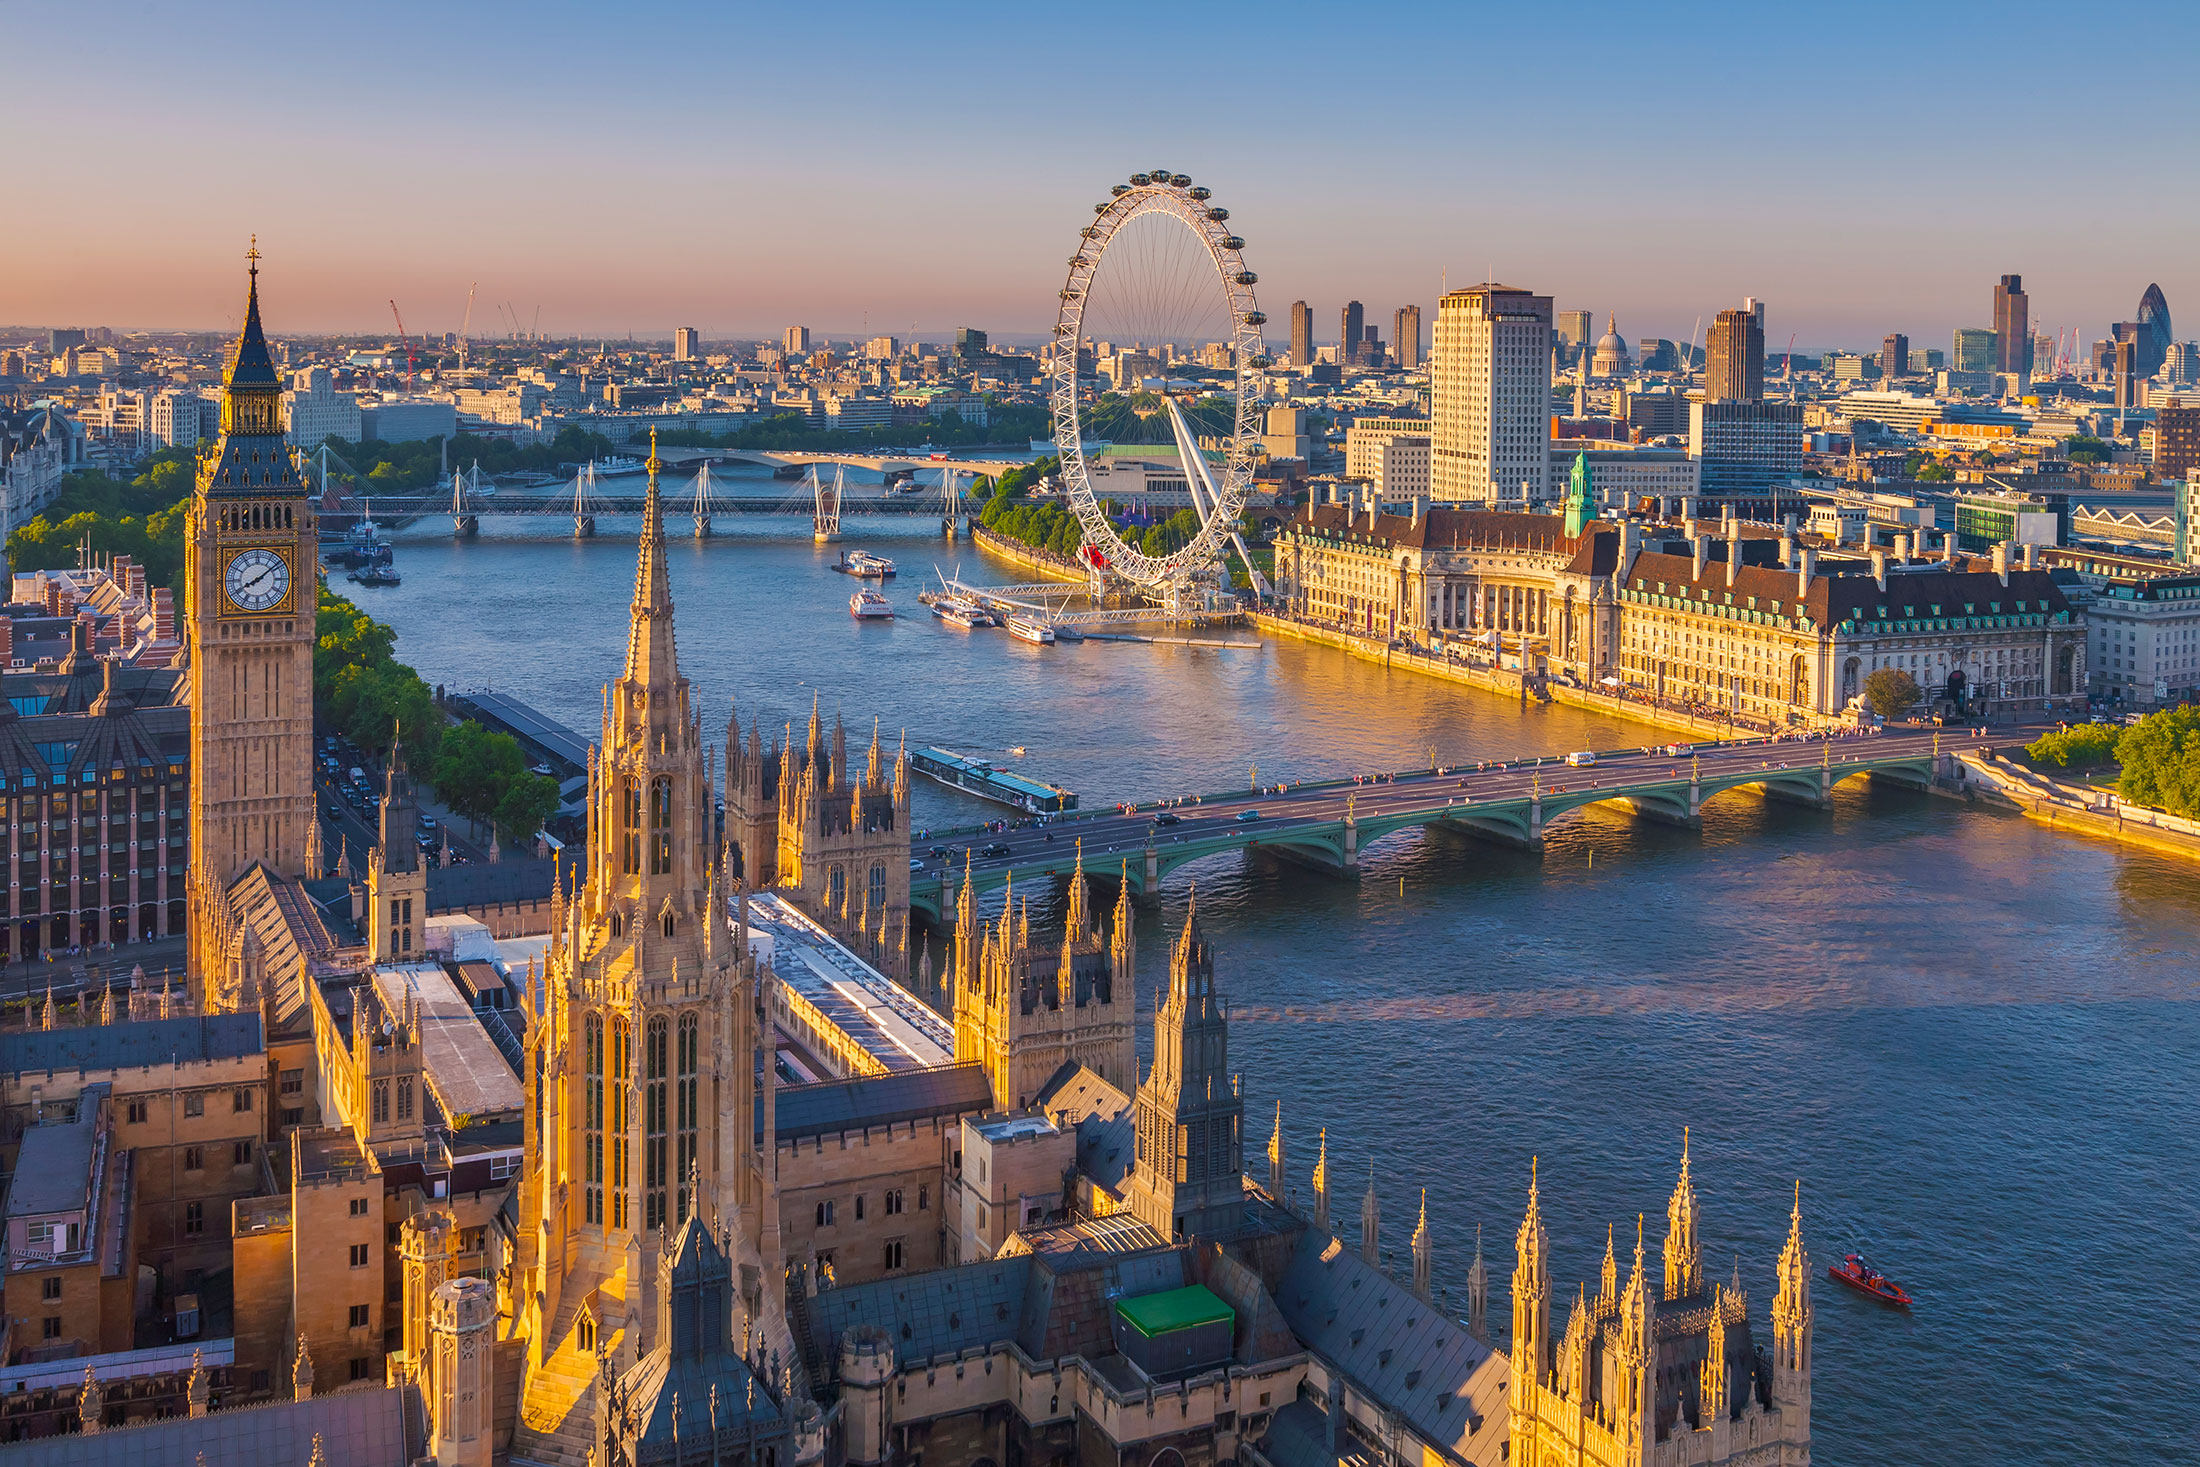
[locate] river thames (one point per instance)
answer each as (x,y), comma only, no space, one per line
(1974,1041)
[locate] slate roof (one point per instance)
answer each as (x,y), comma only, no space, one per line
(1404,1353)
(364,1427)
(127,1045)
(929,1314)
(946,1091)
(291,933)
(53,1171)
(1439,528)
(1105,1118)
(488,883)
(1845,591)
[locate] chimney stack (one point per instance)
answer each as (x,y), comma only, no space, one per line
(1702,546)
(1902,548)
(1787,546)
(1733,555)
(1879,567)
(2001,561)
(1806,571)
(2029,554)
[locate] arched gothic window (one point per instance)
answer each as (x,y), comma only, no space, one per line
(660,826)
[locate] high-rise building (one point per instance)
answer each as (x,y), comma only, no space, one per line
(1742,447)
(687,344)
(1491,394)
(1894,355)
(1350,338)
(2176,442)
(1302,334)
(2043,352)
(2012,326)
(2128,375)
(1734,356)
(249,571)
(882,348)
(1405,337)
(797,340)
(970,342)
(1573,329)
(2154,331)
(1976,350)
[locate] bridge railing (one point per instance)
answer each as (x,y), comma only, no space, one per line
(1079,817)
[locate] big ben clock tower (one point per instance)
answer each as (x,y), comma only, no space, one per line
(251,592)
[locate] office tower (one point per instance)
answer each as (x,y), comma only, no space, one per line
(1734,356)
(1573,332)
(2183,363)
(969,341)
(882,348)
(796,341)
(1405,337)
(1741,447)
(1975,350)
(687,344)
(2127,374)
(2154,331)
(1491,394)
(2043,353)
(1348,342)
(1302,334)
(1894,355)
(2176,442)
(2012,326)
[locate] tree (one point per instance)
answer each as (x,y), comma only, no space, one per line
(2083,746)
(1891,692)
(2084,449)
(2161,759)
(481,774)
(360,688)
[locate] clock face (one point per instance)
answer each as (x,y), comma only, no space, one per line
(256,580)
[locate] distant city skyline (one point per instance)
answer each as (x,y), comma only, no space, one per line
(876,170)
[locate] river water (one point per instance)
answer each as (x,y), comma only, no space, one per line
(1972,1040)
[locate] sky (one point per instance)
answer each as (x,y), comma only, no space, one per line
(870,168)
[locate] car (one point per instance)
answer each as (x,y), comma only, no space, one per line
(916,863)
(993,850)
(1168,817)
(1679,751)
(425,841)
(1248,814)
(427,823)
(937,853)
(1580,759)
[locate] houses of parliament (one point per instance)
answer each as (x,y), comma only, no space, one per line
(612,1182)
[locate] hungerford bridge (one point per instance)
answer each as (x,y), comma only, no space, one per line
(937,497)
(1328,826)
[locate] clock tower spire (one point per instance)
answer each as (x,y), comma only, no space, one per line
(250,597)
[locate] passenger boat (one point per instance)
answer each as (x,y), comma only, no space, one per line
(375,575)
(867,604)
(959,613)
(1862,1277)
(863,563)
(1031,629)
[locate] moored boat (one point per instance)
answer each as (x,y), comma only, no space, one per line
(863,563)
(1031,629)
(867,604)
(959,613)
(1862,1277)
(375,575)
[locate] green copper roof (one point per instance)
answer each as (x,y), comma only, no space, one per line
(1160,1314)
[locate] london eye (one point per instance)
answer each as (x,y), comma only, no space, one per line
(1159,277)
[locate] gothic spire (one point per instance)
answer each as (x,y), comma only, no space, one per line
(651,658)
(1078,920)
(1321,1183)
(873,770)
(1791,1302)
(1424,1258)
(1275,1156)
(250,362)
(1609,1293)
(1371,1222)
(1478,1293)
(1683,1251)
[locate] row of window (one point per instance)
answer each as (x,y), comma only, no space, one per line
(894,1201)
(241,1102)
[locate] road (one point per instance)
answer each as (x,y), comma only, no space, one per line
(1109,838)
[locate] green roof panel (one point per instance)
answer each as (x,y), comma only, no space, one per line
(1174,1309)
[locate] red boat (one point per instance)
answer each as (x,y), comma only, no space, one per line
(1865,1279)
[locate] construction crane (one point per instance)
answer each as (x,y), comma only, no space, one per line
(1787,364)
(401,336)
(465,326)
(1688,367)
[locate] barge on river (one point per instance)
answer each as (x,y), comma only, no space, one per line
(988,781)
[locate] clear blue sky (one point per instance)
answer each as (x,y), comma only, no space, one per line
(1864,168)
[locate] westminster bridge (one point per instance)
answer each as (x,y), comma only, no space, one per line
(1329,826)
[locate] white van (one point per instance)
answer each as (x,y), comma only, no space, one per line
(1580,759)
